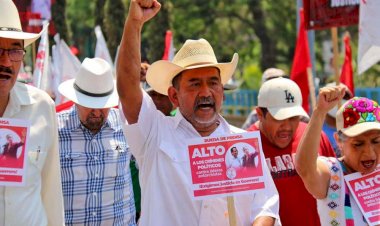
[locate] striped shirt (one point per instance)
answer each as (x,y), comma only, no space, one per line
(96,180)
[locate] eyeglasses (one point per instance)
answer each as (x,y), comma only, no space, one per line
(15,55)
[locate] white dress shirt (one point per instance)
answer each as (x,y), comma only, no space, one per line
(159,145)
(40,201)
(234,162)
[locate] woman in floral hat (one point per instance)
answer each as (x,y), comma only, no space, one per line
(358,136)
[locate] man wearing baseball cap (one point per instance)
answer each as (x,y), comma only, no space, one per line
(39,201)
(279,111)
(194,81)
(94,153)
(268,74)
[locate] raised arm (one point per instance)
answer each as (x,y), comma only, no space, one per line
(128,64)
(315,174)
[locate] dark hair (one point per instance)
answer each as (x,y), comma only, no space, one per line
(264,110)
(341,136)
(176,80)
(233,149)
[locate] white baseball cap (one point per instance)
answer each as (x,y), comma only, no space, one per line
(282,97)
(272,73)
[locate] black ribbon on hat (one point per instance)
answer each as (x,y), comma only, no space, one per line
(77,88)
(9,29)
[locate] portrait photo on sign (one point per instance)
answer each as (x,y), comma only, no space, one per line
(241,160)
(12,147)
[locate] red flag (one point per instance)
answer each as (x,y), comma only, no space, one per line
(64,106)
(301,62)
(347,74)
(169,48)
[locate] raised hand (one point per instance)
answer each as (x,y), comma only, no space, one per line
(143,10)
(329,97)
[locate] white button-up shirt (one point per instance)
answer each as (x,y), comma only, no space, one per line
(40,201)
(158,144)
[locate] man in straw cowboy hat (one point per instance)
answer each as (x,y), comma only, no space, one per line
(39,201)
(94,151)
(194,83)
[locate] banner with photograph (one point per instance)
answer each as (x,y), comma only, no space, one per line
(366,191)
(13,148)
(226,164)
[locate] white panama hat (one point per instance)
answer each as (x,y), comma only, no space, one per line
(93,85)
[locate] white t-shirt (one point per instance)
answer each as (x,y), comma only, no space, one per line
(158,144)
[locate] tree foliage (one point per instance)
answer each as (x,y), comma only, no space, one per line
(114,24)
(263,32)
(154,35)
(59,18)
(99,15)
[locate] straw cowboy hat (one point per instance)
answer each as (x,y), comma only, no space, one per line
(10,25)
(93,86)
(193,54)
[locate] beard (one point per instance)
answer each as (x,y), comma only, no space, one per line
(205,122)
(94,124)
(204,102)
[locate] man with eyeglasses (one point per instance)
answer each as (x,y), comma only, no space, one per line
(39,201)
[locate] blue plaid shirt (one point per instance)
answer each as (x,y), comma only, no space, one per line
(96,180)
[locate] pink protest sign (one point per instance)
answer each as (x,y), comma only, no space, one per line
(226,164)
(13,148)
(366,191)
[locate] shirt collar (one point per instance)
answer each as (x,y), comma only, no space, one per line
(19,96)
(223,124)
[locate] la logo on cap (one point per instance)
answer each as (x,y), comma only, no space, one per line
(288,96)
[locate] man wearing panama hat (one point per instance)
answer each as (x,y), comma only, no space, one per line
(39,201)
(194,83)
(93,150)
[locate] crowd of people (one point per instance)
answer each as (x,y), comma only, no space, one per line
(118,156)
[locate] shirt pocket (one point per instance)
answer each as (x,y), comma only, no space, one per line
(173,151)
(73,166)
(37,159)
(116,162)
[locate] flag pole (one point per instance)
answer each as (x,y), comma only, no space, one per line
(231,210)
(33,55)
(311,87)
(334,37)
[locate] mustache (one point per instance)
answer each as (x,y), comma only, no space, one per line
(6,70)
(204,100)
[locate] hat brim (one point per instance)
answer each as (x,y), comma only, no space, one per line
(67,89)
(229,87)
(360,128)
(161,73)
(281,113)
(28,38)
